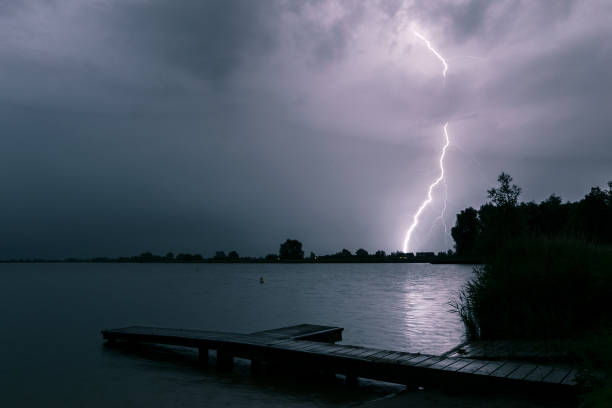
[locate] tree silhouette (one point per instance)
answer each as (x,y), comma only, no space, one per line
(483,232)
(506,195)
(271,257)
(361,253)
(553,216)
(233,256)
(596,216)
(466,231)
(146,256)
(345,253)
(291,249)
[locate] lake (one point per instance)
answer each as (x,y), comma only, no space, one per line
(52,314)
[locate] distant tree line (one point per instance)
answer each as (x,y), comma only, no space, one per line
(480,232)
(289,251)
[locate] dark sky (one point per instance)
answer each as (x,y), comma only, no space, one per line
(195,126)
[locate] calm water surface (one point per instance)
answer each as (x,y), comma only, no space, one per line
(53,355)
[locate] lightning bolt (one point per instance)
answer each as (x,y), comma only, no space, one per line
(440,218)
(435,52)
(429,199)
(417,215)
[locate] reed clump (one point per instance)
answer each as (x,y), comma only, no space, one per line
(533,288)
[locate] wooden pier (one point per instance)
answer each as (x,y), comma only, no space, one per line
(536,351)
(312,347)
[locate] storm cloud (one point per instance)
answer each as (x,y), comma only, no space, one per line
(196,126)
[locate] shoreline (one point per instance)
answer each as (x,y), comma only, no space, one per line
(436,398)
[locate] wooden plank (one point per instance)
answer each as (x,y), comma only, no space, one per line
(367,354)
(305,348)
(300,345)
(445,362)
(155,331)
(246,339)
(556,376)
(328,335)
(488,368)
(378,355)
(296,331)
(391,358)
(570,379)
(538,374)
(473,366)
(416,360)
(311,345)
(354,351)
(315,348)
(458,364)
(361,351)
(506,369)
(274,342)
(523,371)
(407,357)
(312,332)
(329,350)
(429,361)
(349,351)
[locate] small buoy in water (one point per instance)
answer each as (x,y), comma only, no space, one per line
(261,280)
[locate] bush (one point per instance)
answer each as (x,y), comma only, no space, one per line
(539,288)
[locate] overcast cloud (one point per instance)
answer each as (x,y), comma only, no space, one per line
(195,126)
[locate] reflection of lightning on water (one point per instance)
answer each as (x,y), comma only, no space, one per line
(429,199)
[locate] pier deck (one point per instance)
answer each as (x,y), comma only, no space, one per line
(312,347)
(536,351)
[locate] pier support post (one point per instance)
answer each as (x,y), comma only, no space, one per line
(203,355)
(224,360)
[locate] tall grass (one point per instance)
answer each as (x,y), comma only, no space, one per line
(539,288)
